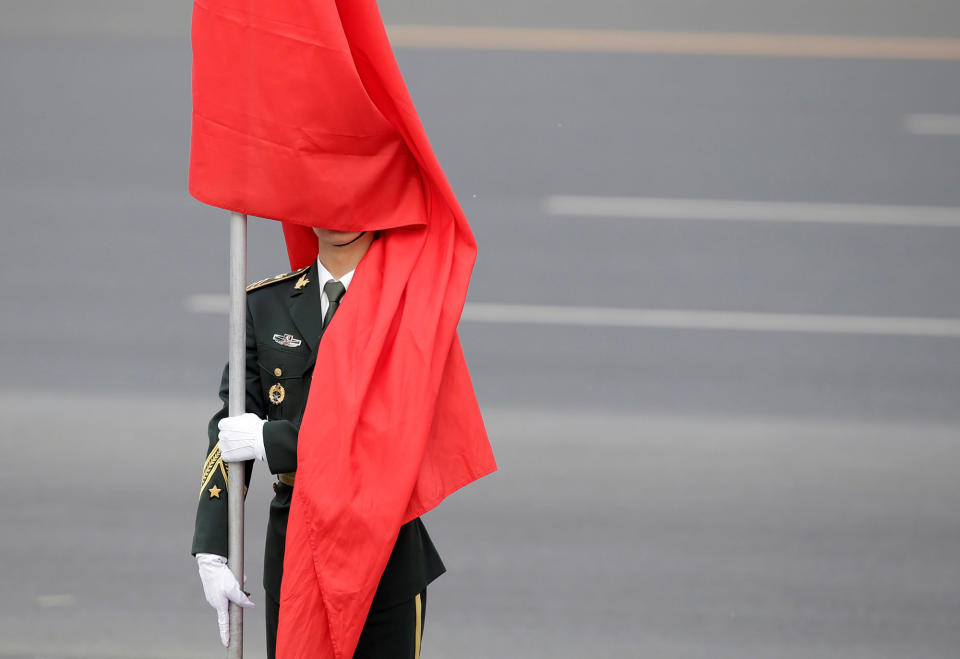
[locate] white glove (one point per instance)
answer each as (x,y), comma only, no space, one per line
(241,438)
(219,586)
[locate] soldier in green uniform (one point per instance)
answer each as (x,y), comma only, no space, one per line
(286,319)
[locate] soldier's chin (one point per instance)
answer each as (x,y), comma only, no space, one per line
(351,241)
(338,238)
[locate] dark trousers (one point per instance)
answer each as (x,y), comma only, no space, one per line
(390,633)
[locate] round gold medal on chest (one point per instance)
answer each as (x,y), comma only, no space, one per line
(276,393)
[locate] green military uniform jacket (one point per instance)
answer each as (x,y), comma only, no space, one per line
(284,328)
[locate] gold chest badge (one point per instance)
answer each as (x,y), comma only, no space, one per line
(276,394)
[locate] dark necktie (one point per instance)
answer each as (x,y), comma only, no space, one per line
(334,291)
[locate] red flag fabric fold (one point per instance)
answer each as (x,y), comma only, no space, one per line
(301,115)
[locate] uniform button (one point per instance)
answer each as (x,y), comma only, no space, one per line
(277,372)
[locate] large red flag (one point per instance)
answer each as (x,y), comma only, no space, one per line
(301,115)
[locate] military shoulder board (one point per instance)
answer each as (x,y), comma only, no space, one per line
(272,280)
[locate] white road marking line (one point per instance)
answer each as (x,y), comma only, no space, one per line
(208,303)
(753,211)
(454,37)
(56,601)
(711,320)
(529,314)
(933,124)
(72,18)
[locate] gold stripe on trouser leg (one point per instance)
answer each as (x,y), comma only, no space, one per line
(417,604)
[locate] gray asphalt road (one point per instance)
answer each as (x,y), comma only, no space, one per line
(926,18)
(662,493)
(605,535)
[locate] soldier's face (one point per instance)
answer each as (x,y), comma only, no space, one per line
(336,238)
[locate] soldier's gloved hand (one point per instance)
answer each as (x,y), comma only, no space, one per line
(241,438)
(220,587)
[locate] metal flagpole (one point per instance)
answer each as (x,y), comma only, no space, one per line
(237,405)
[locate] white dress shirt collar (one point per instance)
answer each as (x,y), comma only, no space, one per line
(324,276)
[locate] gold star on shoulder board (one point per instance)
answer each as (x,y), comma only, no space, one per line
(303,281)
(215,492)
